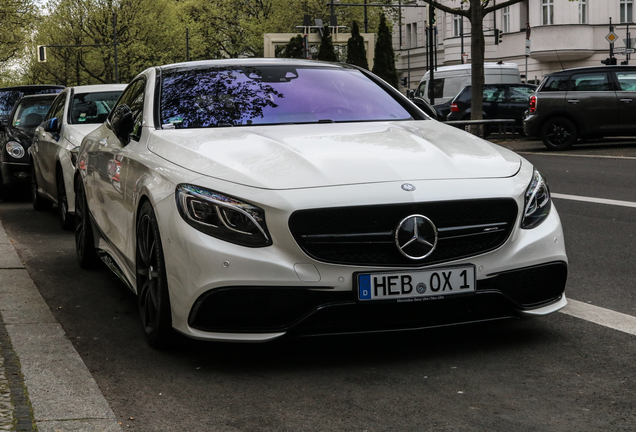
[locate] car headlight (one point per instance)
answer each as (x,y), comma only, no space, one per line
(15,150)
(222,216)
(537,202)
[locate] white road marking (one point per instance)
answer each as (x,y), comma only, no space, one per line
(595,200)
(598,315)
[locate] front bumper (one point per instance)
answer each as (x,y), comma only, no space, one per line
(15,173)
(221,291)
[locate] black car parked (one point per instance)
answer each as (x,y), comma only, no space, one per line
(501,101)
(583,103)
(16,135)
(10,95)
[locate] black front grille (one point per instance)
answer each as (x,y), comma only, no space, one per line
(365,235)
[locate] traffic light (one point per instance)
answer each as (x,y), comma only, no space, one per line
(498,35)
(609,61)
(41,53)
(624,62)
(405,81)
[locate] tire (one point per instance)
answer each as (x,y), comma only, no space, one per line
(66,219)
(84,240)
(39,203)
(559,134)
(152,285)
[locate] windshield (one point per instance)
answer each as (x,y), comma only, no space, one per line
(243,96)
(30,113)
(89,108)
(8,98)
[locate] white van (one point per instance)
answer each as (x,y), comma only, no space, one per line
(449,80)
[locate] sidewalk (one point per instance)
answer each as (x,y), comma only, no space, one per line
(44,384)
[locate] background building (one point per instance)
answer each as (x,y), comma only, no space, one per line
(563,34)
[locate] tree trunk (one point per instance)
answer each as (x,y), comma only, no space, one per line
(477,49)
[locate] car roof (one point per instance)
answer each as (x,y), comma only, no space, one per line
(39,96)
(593,69)
(95,88)
(34,87)
(252,62)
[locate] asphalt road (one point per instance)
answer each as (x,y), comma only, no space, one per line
(556,373)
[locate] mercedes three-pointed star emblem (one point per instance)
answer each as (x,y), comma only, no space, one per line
(416,237)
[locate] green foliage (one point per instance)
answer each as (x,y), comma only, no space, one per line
(356,53)
(384,61)
(295,48)
(149,33)
(16,24)
(326,51)
(146,36)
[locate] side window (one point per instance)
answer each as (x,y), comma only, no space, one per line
(597,81)
(57,108)
(133,96)
(558,83)
(626,80)
(420,92)
(494,94)
(520,94)
(438,88)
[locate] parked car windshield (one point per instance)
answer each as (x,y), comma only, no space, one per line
(89,108)
(8,98)
(30,113)
(259,95)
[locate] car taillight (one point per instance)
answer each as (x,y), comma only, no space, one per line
(533,104)
(454,107)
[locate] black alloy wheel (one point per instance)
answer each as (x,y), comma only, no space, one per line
(152,286)
(66,220)
(84,239)
(39,203)
(559,134)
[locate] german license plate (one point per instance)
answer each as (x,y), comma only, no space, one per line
(415,285)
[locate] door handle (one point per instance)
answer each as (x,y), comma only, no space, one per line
(573,101)
(626,100)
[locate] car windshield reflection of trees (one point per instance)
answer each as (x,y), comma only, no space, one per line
(232,96)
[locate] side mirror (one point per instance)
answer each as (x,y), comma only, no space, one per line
(122,123)
(425,106)
(52,125)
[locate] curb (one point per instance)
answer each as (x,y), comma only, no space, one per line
(50,385)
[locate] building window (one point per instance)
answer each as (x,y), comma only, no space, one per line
(408,36)
(626,10)
(457,25)
(413,40)
(582,11)
(506,19)
(547,12)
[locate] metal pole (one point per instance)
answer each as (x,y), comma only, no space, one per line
(629,45)
(366,20)
(461,31)
(399,21)
(431,78)
(115,45)
(611,53)
(187,45)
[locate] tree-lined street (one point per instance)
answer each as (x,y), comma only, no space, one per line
(557,373)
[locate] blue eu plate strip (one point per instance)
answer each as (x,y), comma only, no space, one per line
(364,287)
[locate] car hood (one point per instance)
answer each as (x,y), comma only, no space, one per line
(76,132)
(23,136)
(301,156)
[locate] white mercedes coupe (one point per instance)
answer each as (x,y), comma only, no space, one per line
(250,199)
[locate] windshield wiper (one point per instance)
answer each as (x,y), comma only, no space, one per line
(326,121)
